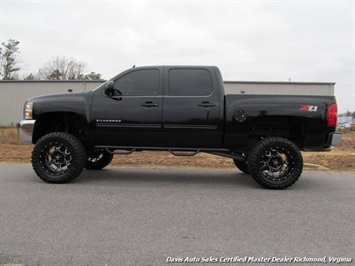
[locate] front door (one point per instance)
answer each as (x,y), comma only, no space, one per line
(133,116)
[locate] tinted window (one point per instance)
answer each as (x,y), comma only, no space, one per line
(189,82)
(140,82)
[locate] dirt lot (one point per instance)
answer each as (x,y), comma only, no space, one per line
(342,158)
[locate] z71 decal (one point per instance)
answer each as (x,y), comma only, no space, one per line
(309,108)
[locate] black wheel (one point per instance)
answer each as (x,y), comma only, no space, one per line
(98,159)
(275,163)
(58,157)
(242,166)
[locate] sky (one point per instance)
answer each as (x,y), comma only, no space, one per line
(310,41)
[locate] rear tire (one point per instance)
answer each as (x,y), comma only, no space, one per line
(275,163)
(242,166)
(98,159)
(58,157)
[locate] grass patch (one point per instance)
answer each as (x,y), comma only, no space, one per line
(9,135)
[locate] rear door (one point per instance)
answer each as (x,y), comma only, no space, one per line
(192,115)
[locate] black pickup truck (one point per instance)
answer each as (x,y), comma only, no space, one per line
(180,109)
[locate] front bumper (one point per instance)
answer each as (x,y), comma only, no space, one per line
(25,130)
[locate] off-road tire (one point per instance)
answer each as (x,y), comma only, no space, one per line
(242,166)
(58,148)
(270,154)
(98,159)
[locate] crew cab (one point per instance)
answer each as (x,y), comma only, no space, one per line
(183,110)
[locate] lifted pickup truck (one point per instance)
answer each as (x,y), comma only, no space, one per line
(180,109)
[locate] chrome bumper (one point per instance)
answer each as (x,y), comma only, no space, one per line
(25,130)
(336,139)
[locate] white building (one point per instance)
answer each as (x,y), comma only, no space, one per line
(13,95)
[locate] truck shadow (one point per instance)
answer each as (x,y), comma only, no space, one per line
(179,177)
(172,176)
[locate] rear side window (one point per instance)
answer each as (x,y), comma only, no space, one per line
(143,82)
(190,82)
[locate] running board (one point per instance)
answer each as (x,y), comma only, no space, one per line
(183,153)
(125,150)
(229,155)
(122,152)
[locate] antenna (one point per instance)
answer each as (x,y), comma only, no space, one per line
(134,66)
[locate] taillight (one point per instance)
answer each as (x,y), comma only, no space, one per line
(332,115)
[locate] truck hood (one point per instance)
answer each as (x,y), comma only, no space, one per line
(78,103)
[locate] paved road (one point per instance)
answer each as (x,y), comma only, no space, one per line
(143,216)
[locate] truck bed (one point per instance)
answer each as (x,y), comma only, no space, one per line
(288,115)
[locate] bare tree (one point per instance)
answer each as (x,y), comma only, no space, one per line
(63,68)
(9,59)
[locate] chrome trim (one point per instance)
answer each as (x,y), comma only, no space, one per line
(127,125)
(25,131)
(336,139)
(178,126)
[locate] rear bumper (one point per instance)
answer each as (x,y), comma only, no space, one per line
(334,139)
(25,130)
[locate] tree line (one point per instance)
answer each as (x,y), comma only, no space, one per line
(58,68)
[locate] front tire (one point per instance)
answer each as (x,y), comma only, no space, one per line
(275,163)
(58,157)
(98,159)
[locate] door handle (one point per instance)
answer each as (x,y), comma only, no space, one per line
(206,104)
(149,104)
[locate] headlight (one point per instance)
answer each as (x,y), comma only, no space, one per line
(28,111)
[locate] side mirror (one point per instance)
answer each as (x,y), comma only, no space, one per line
(109,88)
